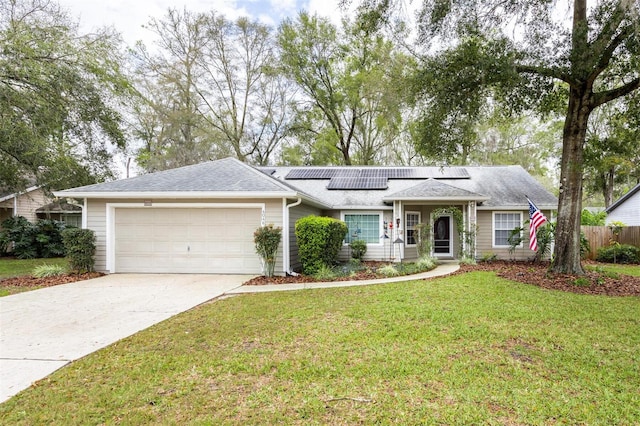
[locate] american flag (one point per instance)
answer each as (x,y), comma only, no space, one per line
(537,219)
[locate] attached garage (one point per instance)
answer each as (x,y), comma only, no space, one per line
(185,240)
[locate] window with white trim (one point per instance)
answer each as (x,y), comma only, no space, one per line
(503,225)
(363,226)
(411,220)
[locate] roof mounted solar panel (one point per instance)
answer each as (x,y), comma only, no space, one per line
(357,183)
(311,173)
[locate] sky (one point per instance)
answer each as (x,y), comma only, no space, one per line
(128,16)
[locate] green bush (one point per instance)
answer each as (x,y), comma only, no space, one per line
(325,273)
(426,263)
(26,240)
(319,241)
(44,271)
(619,253)
(358,249)
(267,239)
(588,218)
(388,271)
(80,245)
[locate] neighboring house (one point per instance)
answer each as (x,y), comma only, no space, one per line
(33,204)
(626,209)
(69,213)
(22,203)
(201,218)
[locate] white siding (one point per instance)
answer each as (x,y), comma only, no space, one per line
(628,212)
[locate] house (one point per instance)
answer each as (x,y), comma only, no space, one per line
(201,218)
(34,204)
(22,203)
(626,209)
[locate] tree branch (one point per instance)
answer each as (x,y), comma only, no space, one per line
(609,95)
(546,72)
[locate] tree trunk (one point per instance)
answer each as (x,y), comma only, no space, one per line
(567,243)
(608,187)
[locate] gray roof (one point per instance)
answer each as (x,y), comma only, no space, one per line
(502,186)
(494,186)
(226,175)
(432,189)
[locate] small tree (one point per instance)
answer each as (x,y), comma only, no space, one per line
(423,239)
(358,249)
(515,240)
(267,239)
(80,245)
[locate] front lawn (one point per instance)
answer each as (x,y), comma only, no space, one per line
(633,270)
(10,267)
(466,349)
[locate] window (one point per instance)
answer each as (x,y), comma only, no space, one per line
(503,224)
(411,220)
(364,227)
(72,220)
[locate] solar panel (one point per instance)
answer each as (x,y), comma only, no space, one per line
(379,172)
(357,183)
(314,173)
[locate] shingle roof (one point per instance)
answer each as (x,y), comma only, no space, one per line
(432,189)
(226,175)
(496,186)
(504,186)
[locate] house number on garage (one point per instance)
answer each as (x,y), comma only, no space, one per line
(263,219)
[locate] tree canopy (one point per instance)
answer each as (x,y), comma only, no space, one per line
(527,55)
(60,119)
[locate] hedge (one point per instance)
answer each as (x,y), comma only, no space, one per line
(319,241)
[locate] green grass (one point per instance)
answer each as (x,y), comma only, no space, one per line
(466,349)
(633,270)
(16,267)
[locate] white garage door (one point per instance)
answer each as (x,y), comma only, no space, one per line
(186,240)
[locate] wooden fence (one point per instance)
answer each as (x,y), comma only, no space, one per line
(601,236)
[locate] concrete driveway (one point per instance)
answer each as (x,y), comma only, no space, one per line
(43,330)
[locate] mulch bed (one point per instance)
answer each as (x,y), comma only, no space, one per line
(525,272)
(31,281)
(538,274)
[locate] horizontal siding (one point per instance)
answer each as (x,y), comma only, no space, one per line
(628,212)
(484,238)
(97,222)
(29,202)
(296,213)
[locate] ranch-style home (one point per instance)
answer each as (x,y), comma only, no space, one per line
(201,218)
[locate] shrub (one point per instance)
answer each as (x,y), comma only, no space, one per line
(358,249)
(388,271)
(29,241)
(467,261)
(619,253)
(325,273)
(267,239)
(319,241)
(44,271)
(80,245)
(426,263)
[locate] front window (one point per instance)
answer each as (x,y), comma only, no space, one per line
(412,219)
(364,227)
(503,225)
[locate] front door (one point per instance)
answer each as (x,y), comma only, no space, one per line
(442,236)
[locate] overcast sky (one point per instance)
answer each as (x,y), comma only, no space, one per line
(128,16)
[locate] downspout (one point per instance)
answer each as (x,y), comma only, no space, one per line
(15,205)
(286,255)
(84,214)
